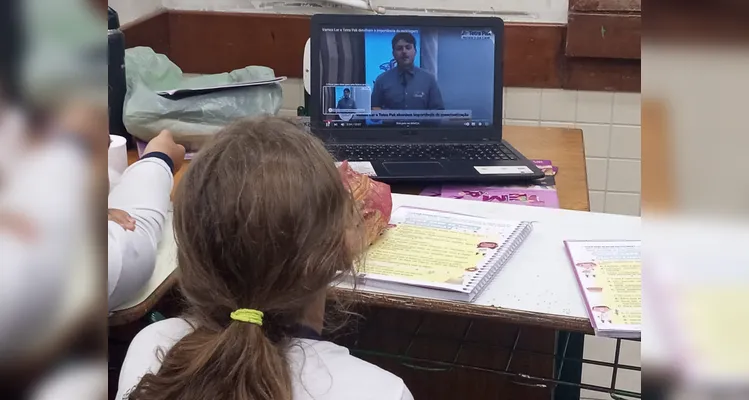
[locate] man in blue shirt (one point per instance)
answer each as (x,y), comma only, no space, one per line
(406,87)
(346,102)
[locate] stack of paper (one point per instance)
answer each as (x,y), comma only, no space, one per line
(610,277)
(541,193)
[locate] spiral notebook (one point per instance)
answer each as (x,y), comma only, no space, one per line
(440,255)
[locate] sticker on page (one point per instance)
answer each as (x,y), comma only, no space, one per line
(503,170)
(362,167)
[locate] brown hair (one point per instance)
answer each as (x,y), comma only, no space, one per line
(261,220)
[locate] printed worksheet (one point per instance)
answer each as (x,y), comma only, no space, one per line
(610,278)
(435,248)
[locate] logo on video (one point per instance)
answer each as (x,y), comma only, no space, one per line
(467,34)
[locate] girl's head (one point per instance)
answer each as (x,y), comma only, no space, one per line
(262,221)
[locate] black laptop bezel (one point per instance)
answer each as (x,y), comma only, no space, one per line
(400,135)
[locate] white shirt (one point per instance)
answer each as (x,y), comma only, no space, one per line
(12,139)
(143,192)
(79,380)
(48,186)
(320,370)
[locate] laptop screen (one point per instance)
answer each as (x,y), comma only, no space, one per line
(396,77)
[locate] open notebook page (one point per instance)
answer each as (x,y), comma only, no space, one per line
(436,249)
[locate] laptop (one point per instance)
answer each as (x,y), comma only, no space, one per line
(413,98)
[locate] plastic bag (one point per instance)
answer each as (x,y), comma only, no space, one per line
(192,120)
(374,200)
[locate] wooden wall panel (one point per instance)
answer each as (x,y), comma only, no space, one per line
(606,5)
(699,21)
(100,5)
(212,42)
(532,56)
(150,31)
(602,74)
(603,35)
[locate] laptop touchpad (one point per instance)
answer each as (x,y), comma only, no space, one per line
(413,168)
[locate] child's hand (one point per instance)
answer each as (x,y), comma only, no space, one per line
(122,219)
(164,143)
(17,225)
(89,122)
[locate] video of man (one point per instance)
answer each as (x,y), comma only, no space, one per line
(343,102)
(346,102)
(406,87)
(415,77)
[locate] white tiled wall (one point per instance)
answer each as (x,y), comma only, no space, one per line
(604,349)
(130,10)
(611,129)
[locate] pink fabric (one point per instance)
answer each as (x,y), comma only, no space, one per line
(373,198)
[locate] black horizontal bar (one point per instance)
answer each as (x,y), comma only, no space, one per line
(533,352)
(500,372)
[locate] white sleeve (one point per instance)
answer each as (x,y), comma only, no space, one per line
(49,188)
(406,395)
(143,192)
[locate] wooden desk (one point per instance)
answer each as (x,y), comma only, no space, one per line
(564,147)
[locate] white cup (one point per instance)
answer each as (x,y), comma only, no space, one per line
(117,161)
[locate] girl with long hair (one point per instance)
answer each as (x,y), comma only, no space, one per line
(263,225)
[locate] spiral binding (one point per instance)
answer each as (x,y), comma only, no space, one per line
(499,259)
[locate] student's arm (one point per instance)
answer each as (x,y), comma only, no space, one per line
(143,193)
(353,104)
(406,395)
(43,210)
(340,104)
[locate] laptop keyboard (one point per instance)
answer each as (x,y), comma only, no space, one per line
(421,152)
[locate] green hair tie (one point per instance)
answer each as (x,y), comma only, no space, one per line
(248,315)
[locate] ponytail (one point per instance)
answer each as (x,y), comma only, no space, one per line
(237,363)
